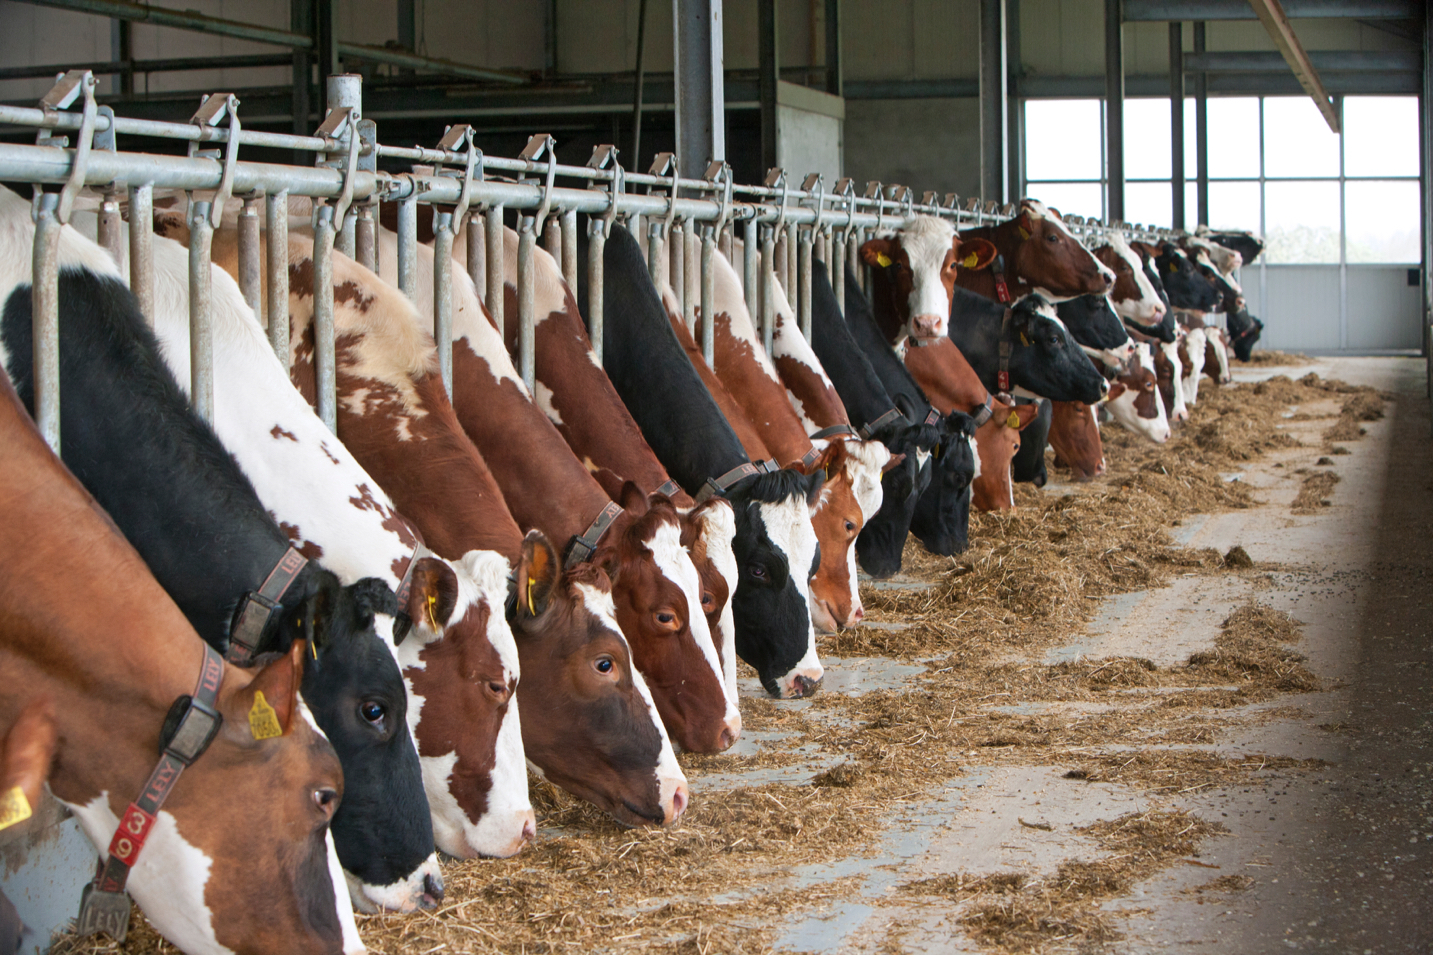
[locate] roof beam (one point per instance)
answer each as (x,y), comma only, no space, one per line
(1162,10)
(1326,61)
(1271,14)
(428,64)
(180,20)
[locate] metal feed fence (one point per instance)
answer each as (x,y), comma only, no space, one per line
(784,227)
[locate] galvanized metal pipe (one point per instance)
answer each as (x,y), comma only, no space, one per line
(141,247)
(837,272)
(768,291)
(779,263)
(201,318)
(596,248)
(45,319)
(788,281)
(750,255)
(709,251)
(408,248)
(677,273)
(569,249)
(552,238)
(365,238)
(803,284)
(250,259)
(477,252)
(655,251)
(325,358)
(526,323)
(497,256)
(693,295)
(109,232)
(443,296)
(276,222)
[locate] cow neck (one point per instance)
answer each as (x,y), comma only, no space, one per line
(805,380)
(948,379)
(899,385)
(1003,271)
(583,405)
(751,440)
(885,310)
(259,610)
(195,720)
(545,486)
(760,395)
(860,392)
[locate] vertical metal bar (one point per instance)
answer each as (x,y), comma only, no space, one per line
(443,296)
(724,243)
(803,285)
(769,70)
(1115,108)
(408,248)
(276,222)
(250,261)
(1176,123)
(700,87)
(992,100)
(497,255)
(677,265)
(325,370)
(638,85)
(301,20)
(552,238)
(709,252)
(109,232)
(788,280)
(45,318)
(768,292)
(569,249)
(527,327)
(365,238)
(596,248)
(834,80)
(655,250)
(838,270)
(1014,130)
(141,247)
(779,250)
(201,324)
(477,252)
(750,256)
(1201,134)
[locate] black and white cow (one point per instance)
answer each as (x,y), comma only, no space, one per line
(1097,328)
(1044,359)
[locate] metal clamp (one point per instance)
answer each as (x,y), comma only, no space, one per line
(904,195)
(602,156)
(719,174)
(662,164)
(454,137)
(537,144)
(776,179)
(340,128)
(875,191)
(67,87)
(846,189)
(211,112)
(815,191)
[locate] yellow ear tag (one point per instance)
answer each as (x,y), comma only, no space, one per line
(263,721)
(532,610)
(1174,266)
(1024,340)
(1013,421)
(882,259)
(1024,234)
(971,261)
(14,807)
(432,617)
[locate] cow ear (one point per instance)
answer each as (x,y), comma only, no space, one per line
(266,707)
(29,750)
(815,481)
(633,499)
(432,595)
(894,460)
(974,254)
(1027,414)
(537,573)
(878,252)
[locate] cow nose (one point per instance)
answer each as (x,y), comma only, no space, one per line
(432,891)
(926,326)
(856,615)
(1104,387)
(679,804)
(804,686)
(529,829)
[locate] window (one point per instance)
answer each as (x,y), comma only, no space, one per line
(1274,168)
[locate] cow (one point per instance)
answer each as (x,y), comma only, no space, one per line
(1169,373)
(1186,288)
(1134,399)
(1216,355)
(913,272)
(1133,297)
(1191,353)
(1248,246)
(1075,436)
(1095,325)
(1028,464)
(341,514)
(174,491)
(1033,252)
(240,857)
(1165,330)
(1223,259)
(775,545)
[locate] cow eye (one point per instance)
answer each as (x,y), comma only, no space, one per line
(372,711)
(757,571)
(604,665)
(1053,237)
(850,526)
(708,600)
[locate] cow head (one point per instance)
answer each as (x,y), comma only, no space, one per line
(879,546)
(1133,295)
(914,273)
(1050,259)
(1164,330)
(1223,259)
(658,595)
(1093,323)
(707,533)
(850,496)
(1134,400)
(777,555)
(461,663)
(1186,288)
(1045,360)
(942,516)
(1244,332)
(591,725)
(996,442)
(1075,436)
(1169,374)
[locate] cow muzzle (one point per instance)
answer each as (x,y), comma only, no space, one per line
(927,327)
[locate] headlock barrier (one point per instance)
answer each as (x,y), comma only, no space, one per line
(784,226)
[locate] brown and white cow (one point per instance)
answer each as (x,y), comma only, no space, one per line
(1036,253)
(1134,400)
(915,273)
(239,857)
(1132,295)
(1075,436)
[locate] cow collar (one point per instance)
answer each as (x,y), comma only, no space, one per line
(104,905)
(669,489)
(809,458)
(871,427)
(1002,377)
(716,485)
(257,609)
(986,411)
(585,546)
(997,268)
(932,416)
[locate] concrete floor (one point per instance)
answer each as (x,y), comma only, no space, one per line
(1341,857)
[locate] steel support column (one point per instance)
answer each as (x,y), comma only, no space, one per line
(1176,122)
(993,101)
(407,28)
(1201,135)
(301,21)
(1014,128)
(1114,111)
(835,83)
(769,67)
(700,78)
(638,85)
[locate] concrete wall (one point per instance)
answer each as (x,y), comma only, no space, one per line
(921,143)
